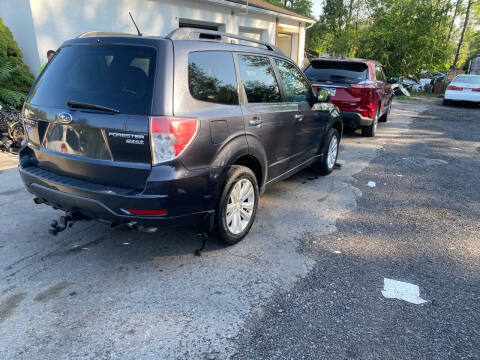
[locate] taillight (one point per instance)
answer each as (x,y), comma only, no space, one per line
(476,89)
(453,87)
(366,84)
(169,137)
(64,148)
(364,94)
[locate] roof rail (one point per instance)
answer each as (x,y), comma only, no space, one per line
(104,33)
(186,33)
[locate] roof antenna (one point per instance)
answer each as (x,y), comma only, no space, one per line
(136,27)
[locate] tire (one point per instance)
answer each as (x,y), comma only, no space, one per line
(384,117)
(371,131)
(447,102)
(227,231)
(327,163)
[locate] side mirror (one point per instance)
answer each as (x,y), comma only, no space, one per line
(323,95)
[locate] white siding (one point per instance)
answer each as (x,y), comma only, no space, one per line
(16,14)
(51,22)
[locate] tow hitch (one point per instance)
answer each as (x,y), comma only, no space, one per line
(65,222)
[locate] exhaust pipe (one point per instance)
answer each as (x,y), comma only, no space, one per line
(133,225)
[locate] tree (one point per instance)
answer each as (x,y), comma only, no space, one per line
(464,28)
(458,4)
(15,77)
(302,7)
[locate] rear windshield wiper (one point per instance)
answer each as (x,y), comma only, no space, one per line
(77,105)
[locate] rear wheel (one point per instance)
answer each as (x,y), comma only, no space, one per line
(329,154)
(371,131)
(237,206)
(384,117)
(447,102)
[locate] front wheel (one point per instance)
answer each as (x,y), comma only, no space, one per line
(237,206)
(329,154)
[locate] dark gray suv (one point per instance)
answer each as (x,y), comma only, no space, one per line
(153,131)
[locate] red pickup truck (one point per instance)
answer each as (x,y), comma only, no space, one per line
(359,88)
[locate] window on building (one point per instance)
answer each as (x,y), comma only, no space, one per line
(258,79)
(212,77)
(197,25)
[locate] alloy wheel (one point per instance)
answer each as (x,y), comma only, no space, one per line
(241,202)
(332,152)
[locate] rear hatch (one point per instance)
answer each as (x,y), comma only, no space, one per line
(347,82)
(88,115)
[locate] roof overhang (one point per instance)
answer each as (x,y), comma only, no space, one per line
(258,10)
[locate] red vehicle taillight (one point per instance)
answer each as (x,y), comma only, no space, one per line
(365,92)
(169,137)
(476,89)
(367,84)
(453,87)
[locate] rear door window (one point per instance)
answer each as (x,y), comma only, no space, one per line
(120,77)
(297,88)
(258,79)
(212,77)
(337,71)
(379,74)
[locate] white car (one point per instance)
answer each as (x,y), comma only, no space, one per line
(463,88)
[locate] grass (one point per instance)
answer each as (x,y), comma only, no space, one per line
(407,98)
(423,93)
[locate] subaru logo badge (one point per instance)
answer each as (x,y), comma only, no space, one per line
(64,118)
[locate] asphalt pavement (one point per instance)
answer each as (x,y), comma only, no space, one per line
(306,283)
(420,224)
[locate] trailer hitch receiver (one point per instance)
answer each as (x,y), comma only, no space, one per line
(65,222)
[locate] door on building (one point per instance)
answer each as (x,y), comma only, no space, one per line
(284,43)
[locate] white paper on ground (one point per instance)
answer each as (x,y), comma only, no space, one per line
(394,289)
(372,184)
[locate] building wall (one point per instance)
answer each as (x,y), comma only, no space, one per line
(17,15)
(53,21)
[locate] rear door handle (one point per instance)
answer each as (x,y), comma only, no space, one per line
(299,117)
(255,122)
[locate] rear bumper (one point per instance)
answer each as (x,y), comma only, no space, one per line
(187,200)
(462,96)
(355,120)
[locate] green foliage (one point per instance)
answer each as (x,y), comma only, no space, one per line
(405,35)
(302,7)
(15,77)
(9,97)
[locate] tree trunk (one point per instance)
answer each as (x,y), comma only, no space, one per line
(457,5)
(465,24)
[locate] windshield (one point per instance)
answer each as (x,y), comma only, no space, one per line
(337,71)
(470,79)
(117,77)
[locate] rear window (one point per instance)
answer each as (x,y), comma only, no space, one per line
(120,77)
(337,71)
(470,79)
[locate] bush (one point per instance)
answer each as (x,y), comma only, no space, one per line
(15,77)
